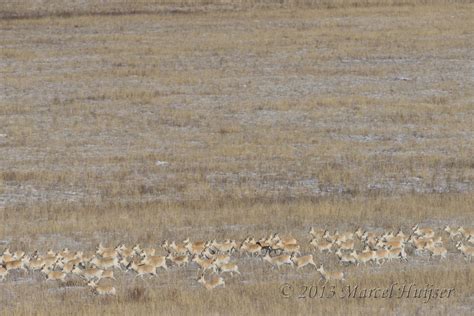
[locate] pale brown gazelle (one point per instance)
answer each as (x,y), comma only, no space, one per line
(220,259)
(363,257)
(453,233)
(467,251)
(345,258)
(3,273)
(426,232)
(397,253)
(54,275)
(15,264)
(105,263)
(124,251)
(288,248)
(251,248)
(179,260)
(68,267)
(179,248)
(89,273)
(212,283)
(35,264)
(381,255)
(317,233)
(230,267)
(346,245)
(303,261)
(285,239)
(205,263)
(466,232)
(331,275)
(322,245)
(195,248)
(143,269)
(359,233)
(107,274)
(102,289)
(101,249)
(438,251)
(156,261)
(224,247)
(148,252)
(420,243)
(278,260)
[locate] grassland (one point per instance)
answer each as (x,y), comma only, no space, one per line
(210,119)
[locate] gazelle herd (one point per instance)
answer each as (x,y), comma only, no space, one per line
(218,258)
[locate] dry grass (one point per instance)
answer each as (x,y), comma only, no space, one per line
(269,119)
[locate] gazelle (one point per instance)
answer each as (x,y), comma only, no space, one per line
(15,264)
(101,249)
(471,240)
(205,263)
(397,253)
(179,260)
(321,245)
(18,254)
(466,250)
(229,267)
(425,232)
(54,275)
(331,275)
(89,273)
(452,232)
(195,248)
(124,251)
(278,260)
(178,248)
(363,257)
(107,274)
(420,243)
(380,255)
(288,248)
(226,246)
(109,253)
(220,259)
(105,263)
(68,267)
(345,236)
(303,261)
(437,251)
(35,264)
(214,282)
(156,261)
(359,232)
(345,245)
(345,258)
(285,240)
(143,269)
(250,248)
(389,244)
(319,233)
(102,289)
(466,232)
(148,252)
(3,273)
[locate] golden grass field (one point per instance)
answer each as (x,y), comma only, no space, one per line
(128,122)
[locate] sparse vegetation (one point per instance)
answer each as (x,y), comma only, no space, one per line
(135,122)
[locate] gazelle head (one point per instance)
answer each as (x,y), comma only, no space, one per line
(201,279)
(320,268)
